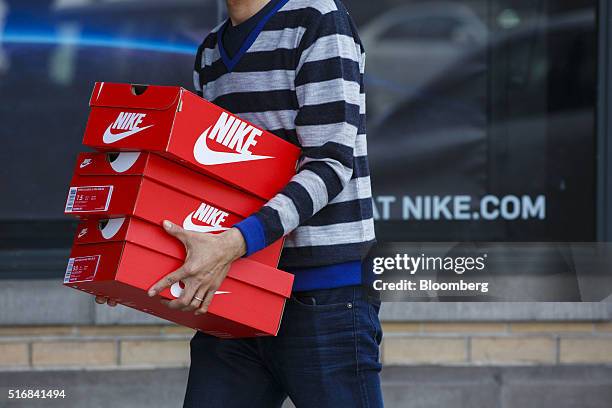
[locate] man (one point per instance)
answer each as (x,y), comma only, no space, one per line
(295,68)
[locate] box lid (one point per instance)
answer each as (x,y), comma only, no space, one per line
(171,175)
(109,94)
(268,278)
(245,270)
(102,230)
(110,163)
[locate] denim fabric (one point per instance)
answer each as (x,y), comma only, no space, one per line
(326,354)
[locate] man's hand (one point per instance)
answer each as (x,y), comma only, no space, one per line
(207,262)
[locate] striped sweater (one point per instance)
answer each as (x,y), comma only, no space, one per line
(299,75)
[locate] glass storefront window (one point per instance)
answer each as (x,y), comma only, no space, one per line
(481,113)
(481,118)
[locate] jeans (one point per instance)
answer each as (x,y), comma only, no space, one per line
(326,354)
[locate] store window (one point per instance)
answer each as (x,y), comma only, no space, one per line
(481,114)
(481,118)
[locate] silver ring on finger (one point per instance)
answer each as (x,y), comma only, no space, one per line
(197,298)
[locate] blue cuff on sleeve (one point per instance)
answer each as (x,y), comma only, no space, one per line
(253,233)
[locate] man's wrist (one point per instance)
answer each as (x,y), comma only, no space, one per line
(233,244)
(253,234)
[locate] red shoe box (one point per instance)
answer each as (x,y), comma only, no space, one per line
(168,173)
(189,129)
(152,188)
(151,236)
(118,259)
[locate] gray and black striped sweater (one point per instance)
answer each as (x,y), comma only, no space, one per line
(299,75)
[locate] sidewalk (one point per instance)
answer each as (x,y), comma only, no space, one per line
(406,387)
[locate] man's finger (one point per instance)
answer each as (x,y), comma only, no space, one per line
(111,302)
(176,231)
(198,298)
(206,303)
(168,281)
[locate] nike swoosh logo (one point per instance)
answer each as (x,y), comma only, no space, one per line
(204,155)
(124,161)
(85,163)
(109,137)
(190,226)
(177,291)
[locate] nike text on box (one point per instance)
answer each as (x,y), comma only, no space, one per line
(189,129)
(249,303)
